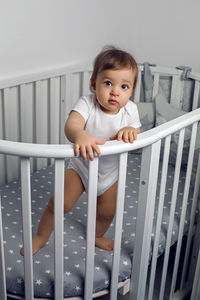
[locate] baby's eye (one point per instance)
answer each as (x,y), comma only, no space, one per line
(124,86)
(108,83)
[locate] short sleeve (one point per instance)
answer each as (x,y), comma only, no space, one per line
(133,119)
(83,106)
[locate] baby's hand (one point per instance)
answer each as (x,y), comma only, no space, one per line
(127,134)
(86,144)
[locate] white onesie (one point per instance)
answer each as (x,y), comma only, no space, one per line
(103,126)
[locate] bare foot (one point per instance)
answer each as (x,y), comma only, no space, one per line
(37,243)
(104,243)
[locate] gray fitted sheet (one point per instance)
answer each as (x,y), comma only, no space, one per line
(74,235)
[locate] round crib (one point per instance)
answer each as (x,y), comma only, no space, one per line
(157,200)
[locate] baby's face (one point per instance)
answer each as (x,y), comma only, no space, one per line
(114,88)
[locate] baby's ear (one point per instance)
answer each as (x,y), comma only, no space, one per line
(92,84)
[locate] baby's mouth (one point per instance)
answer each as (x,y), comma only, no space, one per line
(112,101)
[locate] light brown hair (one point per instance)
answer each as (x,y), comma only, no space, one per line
(115,59)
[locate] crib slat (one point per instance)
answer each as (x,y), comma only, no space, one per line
(11,113)
(3,295)
(159,216)
(176,91)
(25,116)
(196,95)
(155,85)
(27,228)
(138,88)
(1,117)
(85,83)
(172,212)
(54,115)
(59,225)
(91,221)
(142,243)
(66,103)
(11,129)
(54,124)
(2,170)
(184,206)
(76,86)
(192,218)
(40,122)
(118,223)
(2,157)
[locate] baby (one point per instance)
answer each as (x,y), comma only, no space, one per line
(107,114)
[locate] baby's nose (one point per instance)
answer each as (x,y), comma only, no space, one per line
(115,90)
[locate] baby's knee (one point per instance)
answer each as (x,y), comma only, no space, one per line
(67,205)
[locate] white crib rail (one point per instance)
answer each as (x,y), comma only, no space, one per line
(61,151)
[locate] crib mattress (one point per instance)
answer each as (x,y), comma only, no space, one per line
(74,235)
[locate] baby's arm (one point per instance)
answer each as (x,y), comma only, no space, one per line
(84,143)
(127,134)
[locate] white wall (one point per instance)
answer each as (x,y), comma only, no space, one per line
(36,34)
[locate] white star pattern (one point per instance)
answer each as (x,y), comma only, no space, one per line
(19,261)
(77,266)
(38,282)
(19,280)
(68,273)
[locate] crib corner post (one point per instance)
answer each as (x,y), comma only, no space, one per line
(145,214)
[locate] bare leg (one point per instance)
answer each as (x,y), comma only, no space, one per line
(106,204)
(46,224)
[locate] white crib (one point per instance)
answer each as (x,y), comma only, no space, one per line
(33,110)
